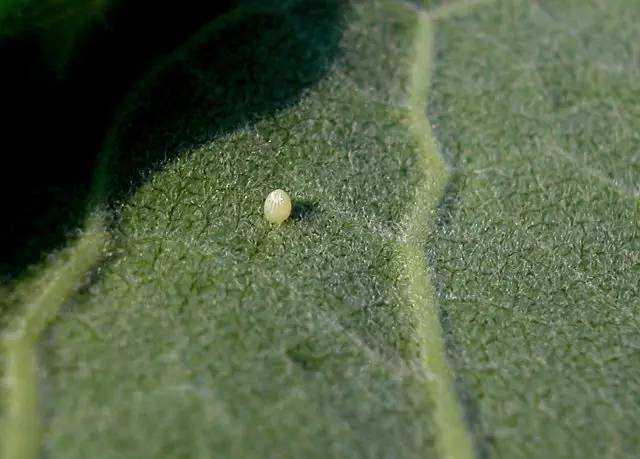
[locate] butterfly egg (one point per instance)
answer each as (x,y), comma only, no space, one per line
(277,206)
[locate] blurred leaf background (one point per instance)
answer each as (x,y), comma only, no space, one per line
(58,23)
(66,64)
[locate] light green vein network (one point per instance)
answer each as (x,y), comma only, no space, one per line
(20,439)
(21,427)
(454,438)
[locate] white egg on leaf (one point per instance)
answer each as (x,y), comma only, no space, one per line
(277,207)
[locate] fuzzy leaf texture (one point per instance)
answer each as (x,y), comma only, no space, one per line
(206,332)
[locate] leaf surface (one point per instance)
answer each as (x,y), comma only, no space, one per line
(538,252)
(210,330)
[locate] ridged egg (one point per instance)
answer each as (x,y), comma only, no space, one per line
(277,206)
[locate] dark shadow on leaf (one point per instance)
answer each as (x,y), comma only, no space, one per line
(303,209)
(237,75)
(445,216)
(258,64)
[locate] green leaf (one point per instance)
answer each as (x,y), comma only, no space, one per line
(243,338)
(207,332)
(206,326)
(538,253)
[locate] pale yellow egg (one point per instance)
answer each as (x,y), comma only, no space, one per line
(277,206)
